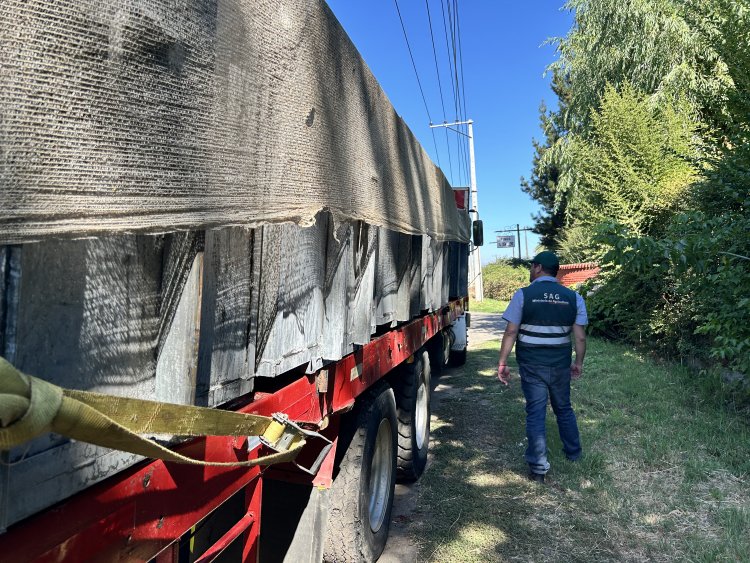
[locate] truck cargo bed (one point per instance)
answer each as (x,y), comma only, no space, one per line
(194,318)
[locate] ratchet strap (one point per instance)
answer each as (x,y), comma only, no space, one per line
(30,407)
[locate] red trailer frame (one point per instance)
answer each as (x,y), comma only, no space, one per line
(140,513)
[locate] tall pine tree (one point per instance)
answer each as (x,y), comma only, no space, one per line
(545,174)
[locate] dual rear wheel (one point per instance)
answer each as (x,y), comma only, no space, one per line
(363,488)
(384,438)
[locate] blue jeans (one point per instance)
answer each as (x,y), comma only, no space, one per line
(538,383)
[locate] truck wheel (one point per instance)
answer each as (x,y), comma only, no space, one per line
(458,358)
(460,343)
(362,492)
(412,390)
(439,349)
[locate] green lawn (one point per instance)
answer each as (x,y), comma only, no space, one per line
(487,305)
(664,478)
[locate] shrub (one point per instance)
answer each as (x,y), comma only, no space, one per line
(503,277)
(685,293)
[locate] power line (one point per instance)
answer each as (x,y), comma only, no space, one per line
(419,82)
(460,114)
(440,84)
(461,59)
(450,52)
(450,62)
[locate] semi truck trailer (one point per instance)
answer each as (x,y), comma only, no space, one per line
(210,209)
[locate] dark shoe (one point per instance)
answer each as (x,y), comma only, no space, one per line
(538,477)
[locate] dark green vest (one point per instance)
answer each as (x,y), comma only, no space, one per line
(544,337)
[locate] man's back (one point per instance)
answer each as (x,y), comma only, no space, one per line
(548,314)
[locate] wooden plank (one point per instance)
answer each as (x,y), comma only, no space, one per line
(177,365)
(10,258)
(224,370)
(386,278)
(458,269)
(38,481)
(415,277)
(360,319)
(87,319)
(406,272)
(428,271)
(290,305)
(334,342)
(392,278)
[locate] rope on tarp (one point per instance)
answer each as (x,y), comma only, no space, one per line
(30,407)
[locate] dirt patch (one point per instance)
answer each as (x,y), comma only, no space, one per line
(401,547)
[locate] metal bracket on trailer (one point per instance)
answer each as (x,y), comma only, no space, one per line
(291,431)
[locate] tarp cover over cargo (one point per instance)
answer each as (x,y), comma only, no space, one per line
(150,116)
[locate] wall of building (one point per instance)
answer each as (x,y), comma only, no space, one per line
(574,274)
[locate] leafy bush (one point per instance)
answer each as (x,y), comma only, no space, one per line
(684,294)
(503,277)
(634,167)
(638,298)
(651,159)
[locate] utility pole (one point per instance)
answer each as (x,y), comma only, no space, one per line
(517,231)
(475,262)
(526,242)
(518,238)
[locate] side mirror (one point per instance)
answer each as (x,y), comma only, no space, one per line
(478,233)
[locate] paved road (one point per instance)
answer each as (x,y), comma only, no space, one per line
(484,327)
(400,548)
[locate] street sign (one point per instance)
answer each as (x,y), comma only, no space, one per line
(506,241)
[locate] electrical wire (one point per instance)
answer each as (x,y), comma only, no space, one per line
(460,115)
(440,84)
(419,82)
(463,83)
(448,51)
(443,4)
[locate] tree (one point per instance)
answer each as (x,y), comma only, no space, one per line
(653,164)
(636,165)
(667,49)
(545,174)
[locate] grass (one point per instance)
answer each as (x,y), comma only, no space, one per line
(664,476)
(487,305)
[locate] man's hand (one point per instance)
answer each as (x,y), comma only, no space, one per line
(503,373)
(576,371)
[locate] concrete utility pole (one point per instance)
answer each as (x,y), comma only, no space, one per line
(517,235)
(518,230)
(475,262)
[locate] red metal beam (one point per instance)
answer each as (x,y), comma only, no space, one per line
(138,513)
(240,528)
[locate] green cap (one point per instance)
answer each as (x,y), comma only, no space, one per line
(547,260)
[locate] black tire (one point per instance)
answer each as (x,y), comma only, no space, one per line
(412,388)
(439,349)
(358,526)
(458,358)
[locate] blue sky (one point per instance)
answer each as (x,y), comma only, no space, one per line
(504,60)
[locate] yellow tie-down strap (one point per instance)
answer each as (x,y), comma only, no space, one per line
(30,407)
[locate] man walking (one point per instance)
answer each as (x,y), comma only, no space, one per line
(541,318)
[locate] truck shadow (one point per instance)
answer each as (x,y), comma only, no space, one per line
(476,480)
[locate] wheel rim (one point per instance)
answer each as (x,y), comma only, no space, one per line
(446,349)
(380,475)
(420,419)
